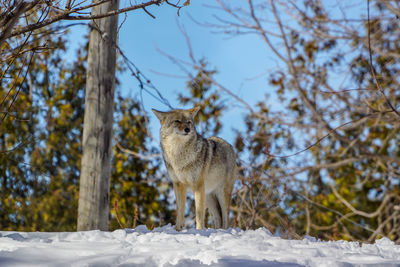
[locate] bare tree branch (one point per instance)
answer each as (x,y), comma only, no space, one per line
(135,154)
(67,14)
(9,21)
(372,68)
(358,212)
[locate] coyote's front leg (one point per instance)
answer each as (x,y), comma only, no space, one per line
(199,201)
(180,196)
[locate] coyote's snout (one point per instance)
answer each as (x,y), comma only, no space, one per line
(206,166)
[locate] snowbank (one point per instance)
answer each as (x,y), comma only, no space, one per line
(166,247)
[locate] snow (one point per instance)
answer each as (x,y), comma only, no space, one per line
(166,247)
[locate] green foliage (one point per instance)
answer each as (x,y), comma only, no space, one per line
(40,153)
(46,128)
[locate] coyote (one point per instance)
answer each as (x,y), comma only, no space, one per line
(206,166)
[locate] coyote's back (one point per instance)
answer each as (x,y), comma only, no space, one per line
(207,166)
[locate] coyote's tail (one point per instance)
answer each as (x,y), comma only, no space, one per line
(215,209)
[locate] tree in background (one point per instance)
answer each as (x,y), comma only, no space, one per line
(27,31)
(258,198)
(33,101)
(41,146)
(331,154)
(56,156)
(40,178)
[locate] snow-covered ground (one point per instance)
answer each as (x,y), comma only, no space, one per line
(166,247)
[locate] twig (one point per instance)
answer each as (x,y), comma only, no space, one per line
(135,216)
(372,68)
(358,212)
(171,4)
(12,18)
(322,138)
(161,219)
(18,91)
(148,13)
(343,91)
(68,5)
(333,211)
(382,225)
(117,215)
(133,153)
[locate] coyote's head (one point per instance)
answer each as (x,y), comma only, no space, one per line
(178,122)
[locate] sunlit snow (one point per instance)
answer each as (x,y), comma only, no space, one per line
(166,247)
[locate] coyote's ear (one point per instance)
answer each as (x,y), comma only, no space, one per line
(193,111)
(160,115)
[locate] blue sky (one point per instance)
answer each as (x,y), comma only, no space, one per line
(236,59)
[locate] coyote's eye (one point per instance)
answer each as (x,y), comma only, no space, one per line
(177,121)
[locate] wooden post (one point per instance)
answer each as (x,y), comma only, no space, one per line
(94,191)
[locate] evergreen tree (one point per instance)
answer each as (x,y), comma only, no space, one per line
(41,149)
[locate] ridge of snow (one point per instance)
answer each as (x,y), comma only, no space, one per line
(164,246)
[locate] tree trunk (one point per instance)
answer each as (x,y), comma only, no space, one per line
(94,188)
